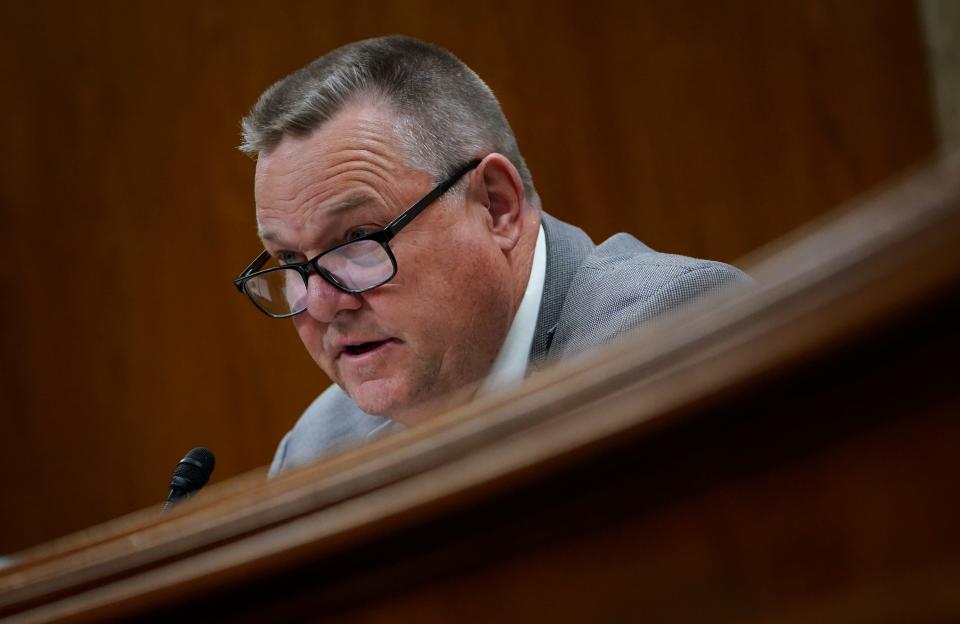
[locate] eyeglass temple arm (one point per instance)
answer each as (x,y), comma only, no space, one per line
(258,262)
(398,224)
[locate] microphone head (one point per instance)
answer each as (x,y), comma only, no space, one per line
(193,471)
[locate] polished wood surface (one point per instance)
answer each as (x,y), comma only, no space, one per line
(703,129)
(784,452)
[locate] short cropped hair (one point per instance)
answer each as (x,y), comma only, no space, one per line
(445,114)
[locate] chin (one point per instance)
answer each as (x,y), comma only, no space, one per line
(381,398)
(405,405)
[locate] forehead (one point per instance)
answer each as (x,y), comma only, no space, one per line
(360,136)
(309,188)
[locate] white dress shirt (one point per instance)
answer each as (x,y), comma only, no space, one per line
(510,367)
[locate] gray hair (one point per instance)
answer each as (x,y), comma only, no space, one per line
(445,114)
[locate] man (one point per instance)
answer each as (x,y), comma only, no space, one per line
(403,234)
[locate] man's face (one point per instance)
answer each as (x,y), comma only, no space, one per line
(403,348)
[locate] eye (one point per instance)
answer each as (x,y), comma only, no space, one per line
(288,257)
(360,232)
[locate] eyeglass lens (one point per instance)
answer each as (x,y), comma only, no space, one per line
(355,266)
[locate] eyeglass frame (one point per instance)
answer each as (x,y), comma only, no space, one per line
(382,237)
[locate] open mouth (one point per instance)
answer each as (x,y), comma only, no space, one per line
(363,347)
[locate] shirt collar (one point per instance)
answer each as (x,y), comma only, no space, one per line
(510,367)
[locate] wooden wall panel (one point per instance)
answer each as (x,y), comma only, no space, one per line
(126,210)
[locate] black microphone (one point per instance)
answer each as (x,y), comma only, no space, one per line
(191,474)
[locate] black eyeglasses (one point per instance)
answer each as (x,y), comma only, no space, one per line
(355,266)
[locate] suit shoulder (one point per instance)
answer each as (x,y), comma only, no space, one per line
(623,269)
(624,284)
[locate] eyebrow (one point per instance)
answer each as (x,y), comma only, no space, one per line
(346,204)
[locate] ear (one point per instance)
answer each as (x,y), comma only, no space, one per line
(499,189)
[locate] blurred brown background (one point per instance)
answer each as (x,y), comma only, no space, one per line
(126,210)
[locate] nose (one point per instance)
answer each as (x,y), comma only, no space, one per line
(324,301)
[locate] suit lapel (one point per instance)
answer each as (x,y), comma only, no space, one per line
(567,248)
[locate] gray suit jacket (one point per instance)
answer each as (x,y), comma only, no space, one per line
(591,294)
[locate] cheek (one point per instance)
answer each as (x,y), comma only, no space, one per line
(464,293)
(311,334)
